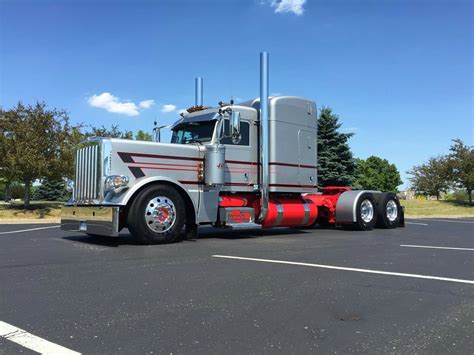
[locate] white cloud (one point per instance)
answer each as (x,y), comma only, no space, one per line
(294,6)
(112,103)
(168,108)
(146,103)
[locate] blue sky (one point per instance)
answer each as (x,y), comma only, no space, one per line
(399,73)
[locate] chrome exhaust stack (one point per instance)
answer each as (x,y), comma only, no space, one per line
(264,149)
(198,102)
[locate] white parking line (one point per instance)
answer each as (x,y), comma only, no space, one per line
(433,247)
(368,271)
(446,220)
(27,230)
(32,342)
(419,224)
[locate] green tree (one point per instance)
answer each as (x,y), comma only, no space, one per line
(4,189)
(35,142)
(377,174)
(16,190)
(143,136)
(432,177)
(461,166)
(51,190)
(112,132)
(336,165)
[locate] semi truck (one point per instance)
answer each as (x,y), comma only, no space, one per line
(234,166)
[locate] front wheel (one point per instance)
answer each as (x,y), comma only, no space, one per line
(157,215)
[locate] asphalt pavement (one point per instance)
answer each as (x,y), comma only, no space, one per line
(407,290)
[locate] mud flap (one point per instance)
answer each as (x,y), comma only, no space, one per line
(401,222)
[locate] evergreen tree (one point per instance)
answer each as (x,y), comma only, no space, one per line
(336,165)
(377,174)
(51,190)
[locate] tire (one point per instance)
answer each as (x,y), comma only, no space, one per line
(366,213)
(157,215)
(389,211)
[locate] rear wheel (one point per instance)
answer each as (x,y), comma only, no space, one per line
(389,210)
(157,215)
(366,214)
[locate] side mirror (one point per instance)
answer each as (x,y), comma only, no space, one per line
(157,133)
(235,124)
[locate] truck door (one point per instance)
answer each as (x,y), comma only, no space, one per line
(240,164)
(307,158)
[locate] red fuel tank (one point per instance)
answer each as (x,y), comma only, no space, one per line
(290,212)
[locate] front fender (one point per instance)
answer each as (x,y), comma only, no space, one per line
(124,198)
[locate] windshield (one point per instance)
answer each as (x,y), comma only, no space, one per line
(193,132)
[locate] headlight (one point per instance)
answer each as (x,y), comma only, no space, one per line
(116,182)
(70,185)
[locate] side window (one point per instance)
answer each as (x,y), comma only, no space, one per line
(244,133)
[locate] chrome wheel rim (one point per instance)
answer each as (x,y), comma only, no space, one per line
(366,211)
(391,210)
(160,214)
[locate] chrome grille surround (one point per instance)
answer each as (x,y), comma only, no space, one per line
(88,173)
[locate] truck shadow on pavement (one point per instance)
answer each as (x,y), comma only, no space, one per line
(209,233)
(204,233)
(113,242)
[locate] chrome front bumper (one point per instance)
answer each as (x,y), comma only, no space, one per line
(91,219)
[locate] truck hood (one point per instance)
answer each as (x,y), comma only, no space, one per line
(139,159)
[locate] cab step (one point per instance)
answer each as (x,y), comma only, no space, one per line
(238,226)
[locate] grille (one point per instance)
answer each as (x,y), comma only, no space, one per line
(88,174)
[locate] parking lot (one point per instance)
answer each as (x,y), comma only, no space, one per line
(291,291)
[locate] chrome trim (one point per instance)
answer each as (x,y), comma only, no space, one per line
(198,92)
(354,207)
(91,219)
(391,210)
(160,214)
(240,226)
(87,170)
(94,171)
(70,185)
(157,133)
(89,167)
(109,184)
(306,213)
(225,214)
(366,211)
(280,211)
(264,151)
(346,206)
